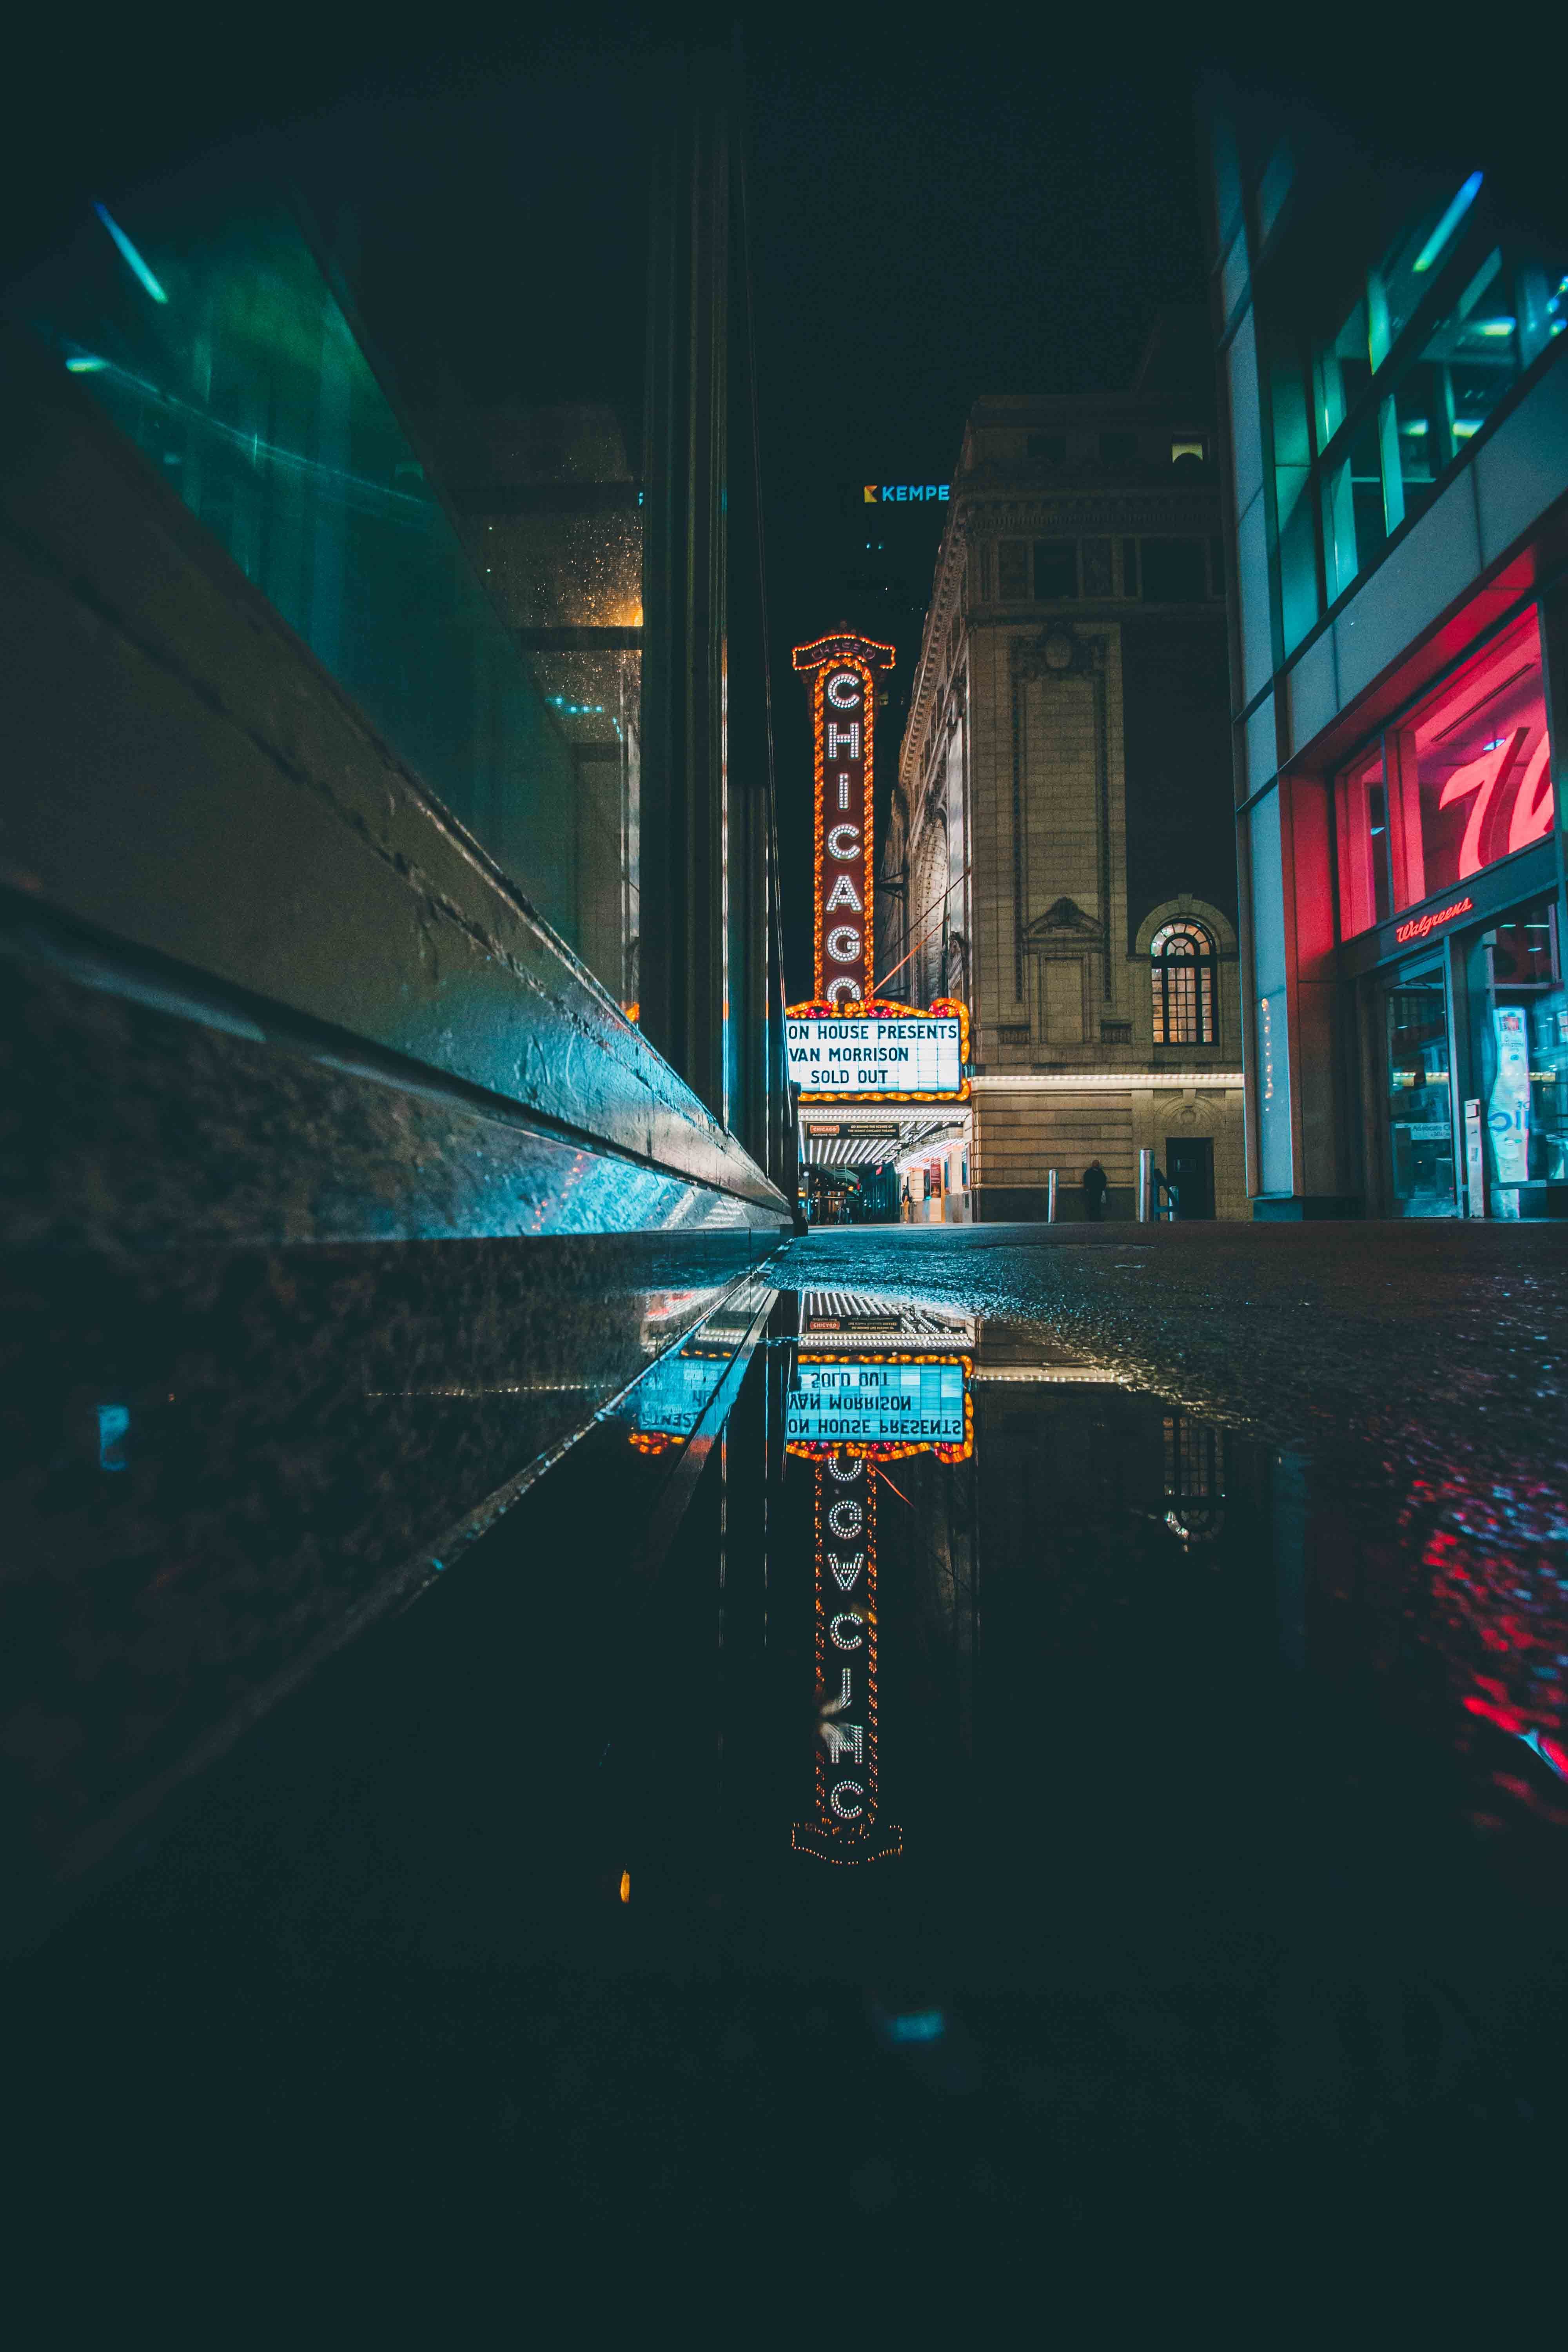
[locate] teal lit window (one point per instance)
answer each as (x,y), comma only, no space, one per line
(1412,362)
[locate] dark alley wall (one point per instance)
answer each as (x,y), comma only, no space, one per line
(1181,831)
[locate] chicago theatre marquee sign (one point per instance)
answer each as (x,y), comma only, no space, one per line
(843,725)
(846,1046)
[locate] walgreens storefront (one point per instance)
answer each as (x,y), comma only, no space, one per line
(1449,888)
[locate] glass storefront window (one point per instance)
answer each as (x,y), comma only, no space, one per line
(1474,767)
(1361,817)
(1420,1094)
(1519,1044)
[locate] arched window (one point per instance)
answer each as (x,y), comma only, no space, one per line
(1181,957)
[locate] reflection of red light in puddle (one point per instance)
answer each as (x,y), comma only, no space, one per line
(1540,1743)
(1503,1716)
(625,1886)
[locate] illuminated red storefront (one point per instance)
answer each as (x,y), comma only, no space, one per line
(1448,913)
(1392,354)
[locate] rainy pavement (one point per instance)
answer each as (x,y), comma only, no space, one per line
(997,1727)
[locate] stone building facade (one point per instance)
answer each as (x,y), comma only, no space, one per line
(1061,848)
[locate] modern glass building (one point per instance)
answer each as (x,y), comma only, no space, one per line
(1391,364)
(388,642)
(391,995)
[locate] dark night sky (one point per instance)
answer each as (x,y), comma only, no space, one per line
(940,237)
(943,206)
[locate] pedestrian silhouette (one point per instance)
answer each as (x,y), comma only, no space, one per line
(1094,1181)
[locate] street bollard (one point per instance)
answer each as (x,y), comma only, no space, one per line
(1050,1196)
(1145,1184)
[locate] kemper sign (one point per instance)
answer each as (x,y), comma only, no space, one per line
(879,1053)
(844,721)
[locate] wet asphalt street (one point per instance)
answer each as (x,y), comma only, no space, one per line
(1455,1332)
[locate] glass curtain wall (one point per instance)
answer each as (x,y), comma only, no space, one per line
(204,322)
(1416,334)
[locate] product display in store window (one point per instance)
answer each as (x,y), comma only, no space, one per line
(1519,1028)
(1420,1099)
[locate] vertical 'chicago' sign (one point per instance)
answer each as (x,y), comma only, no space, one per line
(842,671)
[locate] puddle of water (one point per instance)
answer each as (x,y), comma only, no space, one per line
(881,1685)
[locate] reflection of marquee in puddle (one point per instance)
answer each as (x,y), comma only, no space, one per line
(849,1407)
(882,1378)
(673,1395)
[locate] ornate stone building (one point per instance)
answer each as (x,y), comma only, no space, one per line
(1060,847)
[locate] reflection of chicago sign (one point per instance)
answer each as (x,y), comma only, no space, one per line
(846,1826)
(844,722)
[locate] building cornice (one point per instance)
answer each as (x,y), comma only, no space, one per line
(1077,1081)
(996,513)
(1092,613)
(947,589)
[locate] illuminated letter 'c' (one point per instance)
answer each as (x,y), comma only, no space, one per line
(841,699)
(844,843)
(845,1813)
